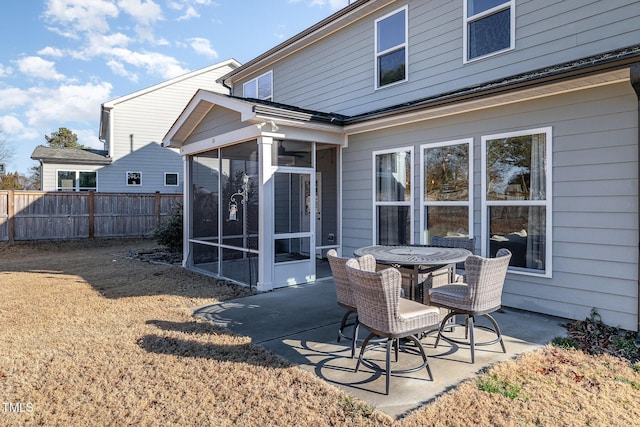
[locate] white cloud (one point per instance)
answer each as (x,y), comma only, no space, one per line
(203,47)
(190,7)
(119,69)
(68,103)
(190,13)
(5,71)
(35,66)
(51,51)
(89,138)
(145,12)
(333,4)
(155,63)
(13,97)
(76,16)
(12,126)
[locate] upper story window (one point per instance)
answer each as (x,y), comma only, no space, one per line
(489,27)
(391,48)
(259,88)
(76,181)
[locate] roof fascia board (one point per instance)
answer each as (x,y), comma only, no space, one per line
(322,29)
(239,135)
(489,100)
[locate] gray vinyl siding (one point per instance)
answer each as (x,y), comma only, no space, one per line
(595,195)
(140,123)
(336,74)
(218,121)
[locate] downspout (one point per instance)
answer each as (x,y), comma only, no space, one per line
(634,74)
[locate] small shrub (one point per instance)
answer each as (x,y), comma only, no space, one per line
(354,409)
(169,232)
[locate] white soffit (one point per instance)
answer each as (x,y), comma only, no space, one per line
(513,97)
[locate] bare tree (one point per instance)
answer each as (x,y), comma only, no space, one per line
(6,151)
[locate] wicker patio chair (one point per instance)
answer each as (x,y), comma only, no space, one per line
(344,292)
(456,242)
(389,317)
(480,296)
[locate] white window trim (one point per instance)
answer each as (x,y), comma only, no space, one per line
(548,202)
(374,198)
(424,203)
(127,179)
(255,82)
(177,184)
(465,29)
(76,181)
(377,54)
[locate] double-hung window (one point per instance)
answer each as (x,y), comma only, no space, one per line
(489,27)
(391,48)
(447,183)
(259,88)
(392,198)
(516,198)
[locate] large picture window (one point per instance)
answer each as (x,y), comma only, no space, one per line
(393,201)
(516,186)
(447,190)
(489,27)
(76,181)
(391,48)
(259,88)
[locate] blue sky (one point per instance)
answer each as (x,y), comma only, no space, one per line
(61,59)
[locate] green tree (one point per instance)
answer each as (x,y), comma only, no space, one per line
(63,138)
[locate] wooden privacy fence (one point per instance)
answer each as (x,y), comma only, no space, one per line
(36,215)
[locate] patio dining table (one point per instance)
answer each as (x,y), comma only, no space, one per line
(418,259)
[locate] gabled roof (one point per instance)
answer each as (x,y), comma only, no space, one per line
(250,110)
(70,155)
(113,102)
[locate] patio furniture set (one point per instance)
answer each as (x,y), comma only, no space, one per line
(401,294)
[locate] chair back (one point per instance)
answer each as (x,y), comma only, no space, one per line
(455,242)
(485,278)
(344,289)
(377,296)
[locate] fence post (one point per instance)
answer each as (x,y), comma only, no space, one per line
(91,214)
(158,207)
(11,213)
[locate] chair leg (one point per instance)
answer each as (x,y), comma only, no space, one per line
(343,323)
(390,342)
(364,345)
(497,329)
(472,343)
(442,326)
(418,344)
(354,342)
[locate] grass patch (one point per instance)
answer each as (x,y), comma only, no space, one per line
(356,409)
(492,384)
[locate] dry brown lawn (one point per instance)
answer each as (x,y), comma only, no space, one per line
(91,337)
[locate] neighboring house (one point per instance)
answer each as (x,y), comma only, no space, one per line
(514,122)
(132,128)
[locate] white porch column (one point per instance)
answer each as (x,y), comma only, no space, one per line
(265,208)
(186,212)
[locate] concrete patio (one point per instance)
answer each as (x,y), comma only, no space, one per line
(300,323)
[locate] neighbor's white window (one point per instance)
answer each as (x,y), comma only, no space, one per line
(170,179)
(259,88)
(76,181)
(447,190)
(516,198)
(134,178)
(391,48)
(489,27)
(392,183)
